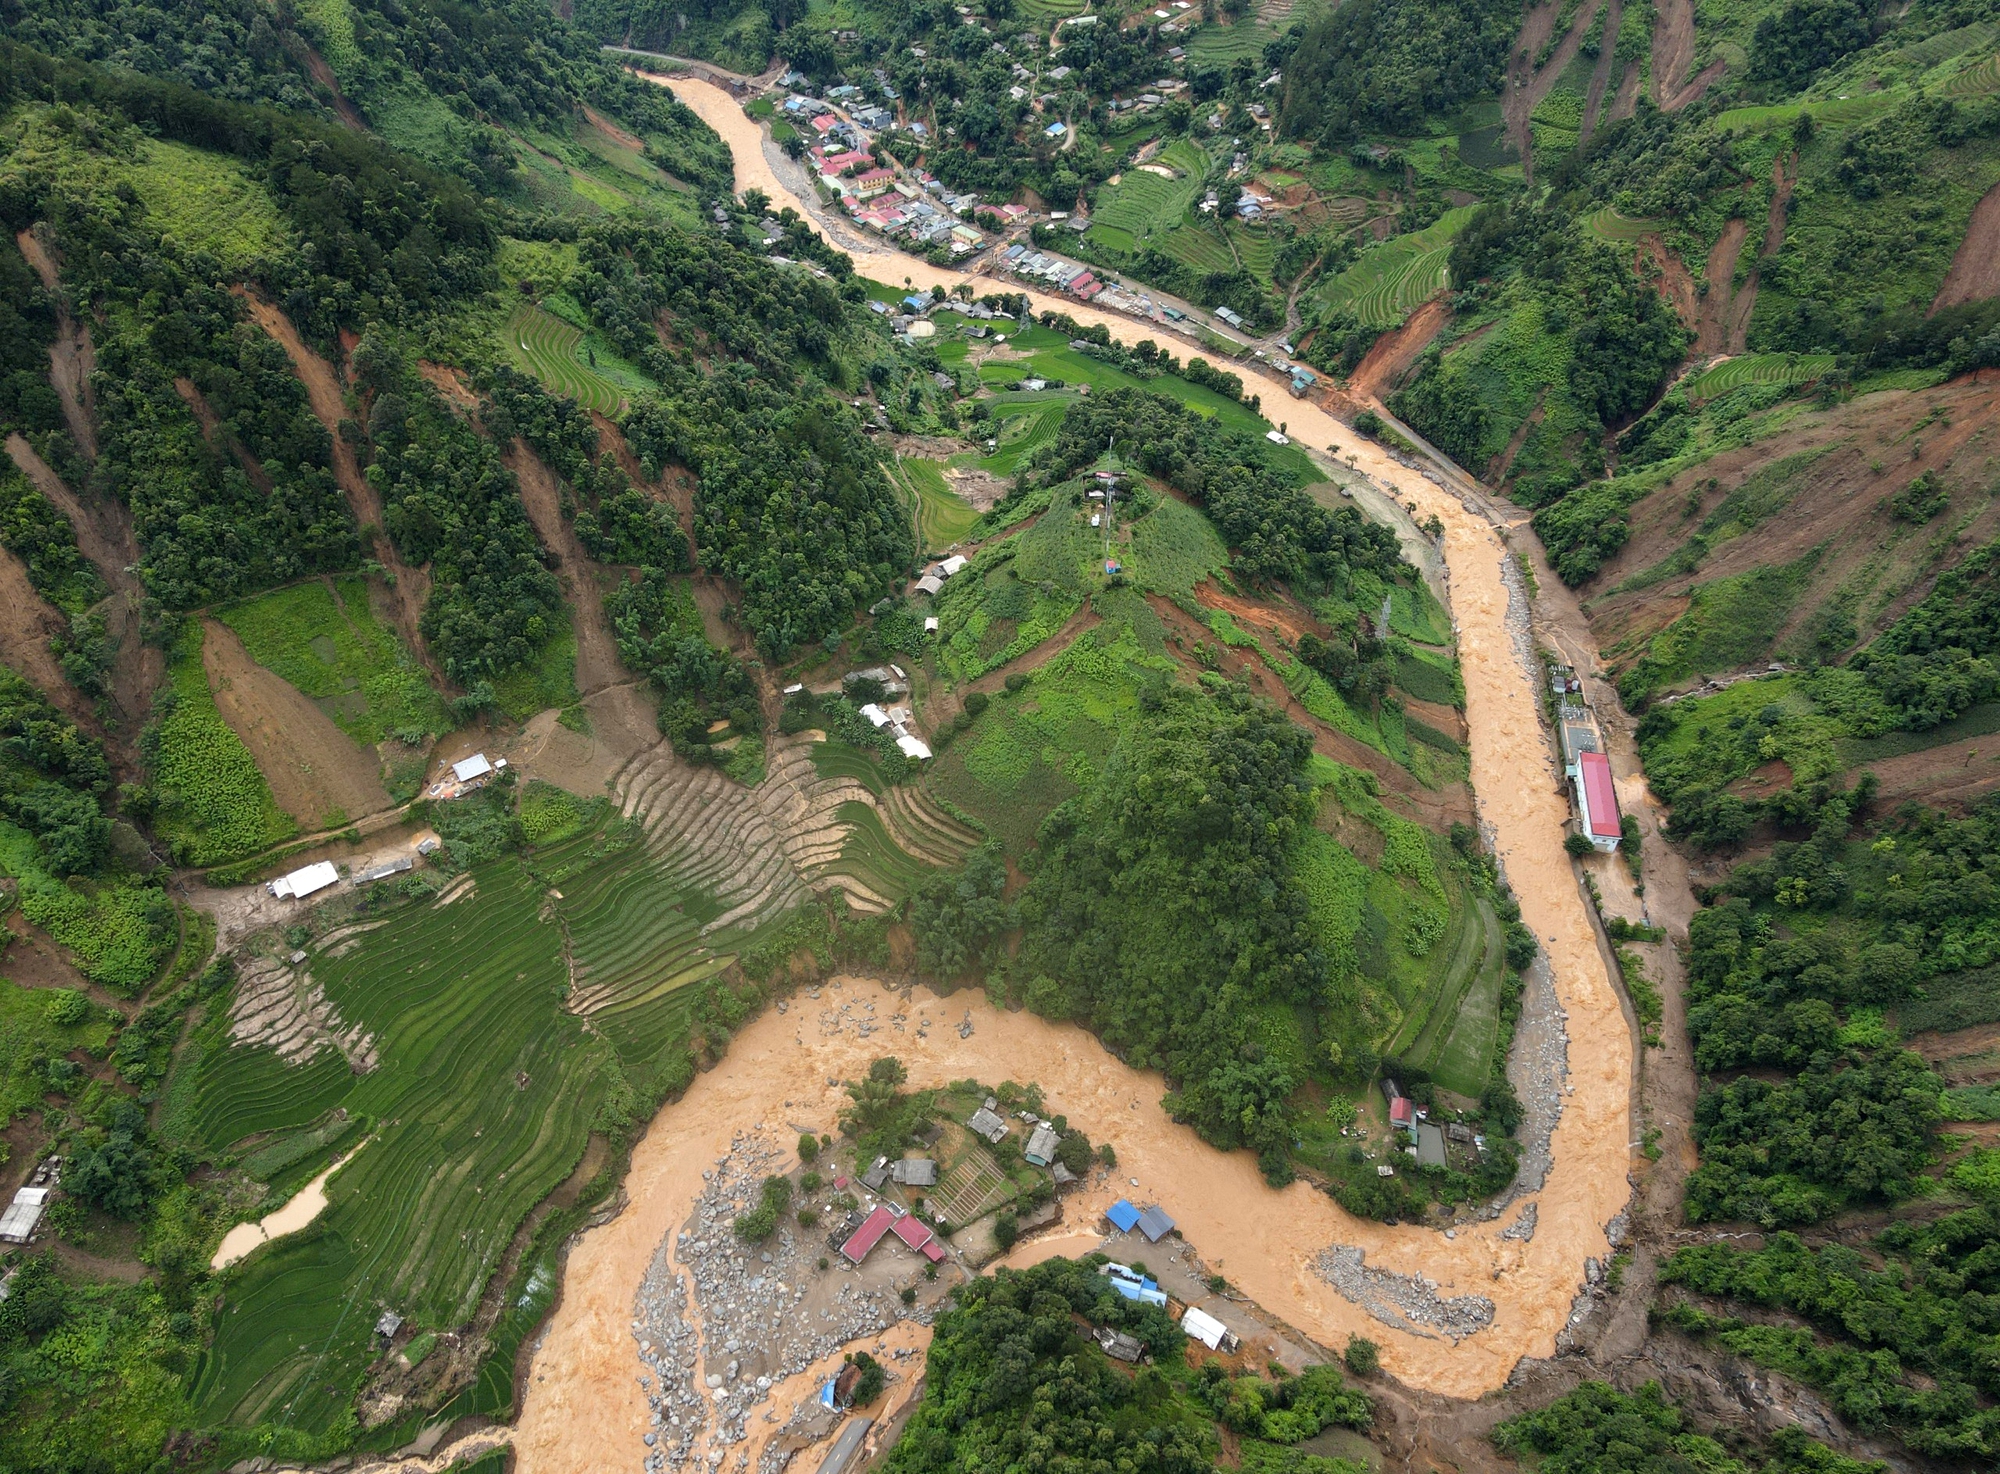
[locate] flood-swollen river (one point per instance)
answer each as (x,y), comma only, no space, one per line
(584,1409)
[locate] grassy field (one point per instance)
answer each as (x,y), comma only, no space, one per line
(1759,368)
(207,202)
(943,516)
(214,804)
(324,638)
(544,345)
(1393,278)
(550,681)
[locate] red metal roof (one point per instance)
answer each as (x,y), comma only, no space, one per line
(868,1235)
(933,1251)
(1600,798)
(1402,1109)
(912,1232)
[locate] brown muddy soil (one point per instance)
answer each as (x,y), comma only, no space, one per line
(1975,268)
(1673,54)
(584,583)
(315,770)
(1527,85)
(1955,775)
(71,357)
(1381,372)
(1600,75)
(1714,324)
(1838,511)
(27,622)
(406,588)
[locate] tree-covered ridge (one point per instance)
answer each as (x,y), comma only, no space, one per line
(449,502)
(1014,1378)
(1161,904)
(1602,340)
(217,514)
(372,233)
(476,72)
(1274,529)
(1909,1328)
(1389,66)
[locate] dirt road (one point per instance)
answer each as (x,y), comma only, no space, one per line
(1265,1241)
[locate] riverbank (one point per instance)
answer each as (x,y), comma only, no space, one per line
(1268,1243)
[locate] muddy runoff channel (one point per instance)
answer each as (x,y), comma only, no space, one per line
(1453,1316)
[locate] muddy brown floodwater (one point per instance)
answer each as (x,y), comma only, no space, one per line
(584,1408)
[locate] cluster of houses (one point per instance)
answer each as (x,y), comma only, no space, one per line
(1585,764)
(1065,276)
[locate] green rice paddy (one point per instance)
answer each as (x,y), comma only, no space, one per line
(1392,279)
(943,516)
(554,351)
(480,1106)
(1608,225)
(1759,368)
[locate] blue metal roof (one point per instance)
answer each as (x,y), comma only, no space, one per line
(1122,1215)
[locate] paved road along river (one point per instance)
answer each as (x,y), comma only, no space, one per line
(585,1410)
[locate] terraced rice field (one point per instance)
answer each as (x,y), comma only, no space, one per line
(1144,203)
(758,852)
(943,516)
(1199,246)
(1051,9)
(1393,279)
(1947,44)
(1783,115)
(1608,225)
(544,345)
(481,1104)
(498,1018)
(1975,81)
(1222,43)
(1759,368)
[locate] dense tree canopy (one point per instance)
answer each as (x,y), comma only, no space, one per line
(1386,65)
(1162,904)
(1275,531)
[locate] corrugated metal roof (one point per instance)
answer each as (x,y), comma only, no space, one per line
(1601,799)
(1155,1225)
(868,1235)
(1122,1215)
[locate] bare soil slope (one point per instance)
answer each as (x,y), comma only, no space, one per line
(1975,269)
(315,770)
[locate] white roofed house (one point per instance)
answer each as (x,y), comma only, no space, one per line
(303,882)
(475,766)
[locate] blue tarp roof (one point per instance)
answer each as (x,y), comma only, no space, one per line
(1122,1215)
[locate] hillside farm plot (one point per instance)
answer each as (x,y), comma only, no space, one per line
(542,344)
(213,802)
(481,1101)
(1147,202)
(1759,368)
(943,516)
(1391,280)
(1217,42)
(1975,81)
(1608,225)
(208,202)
